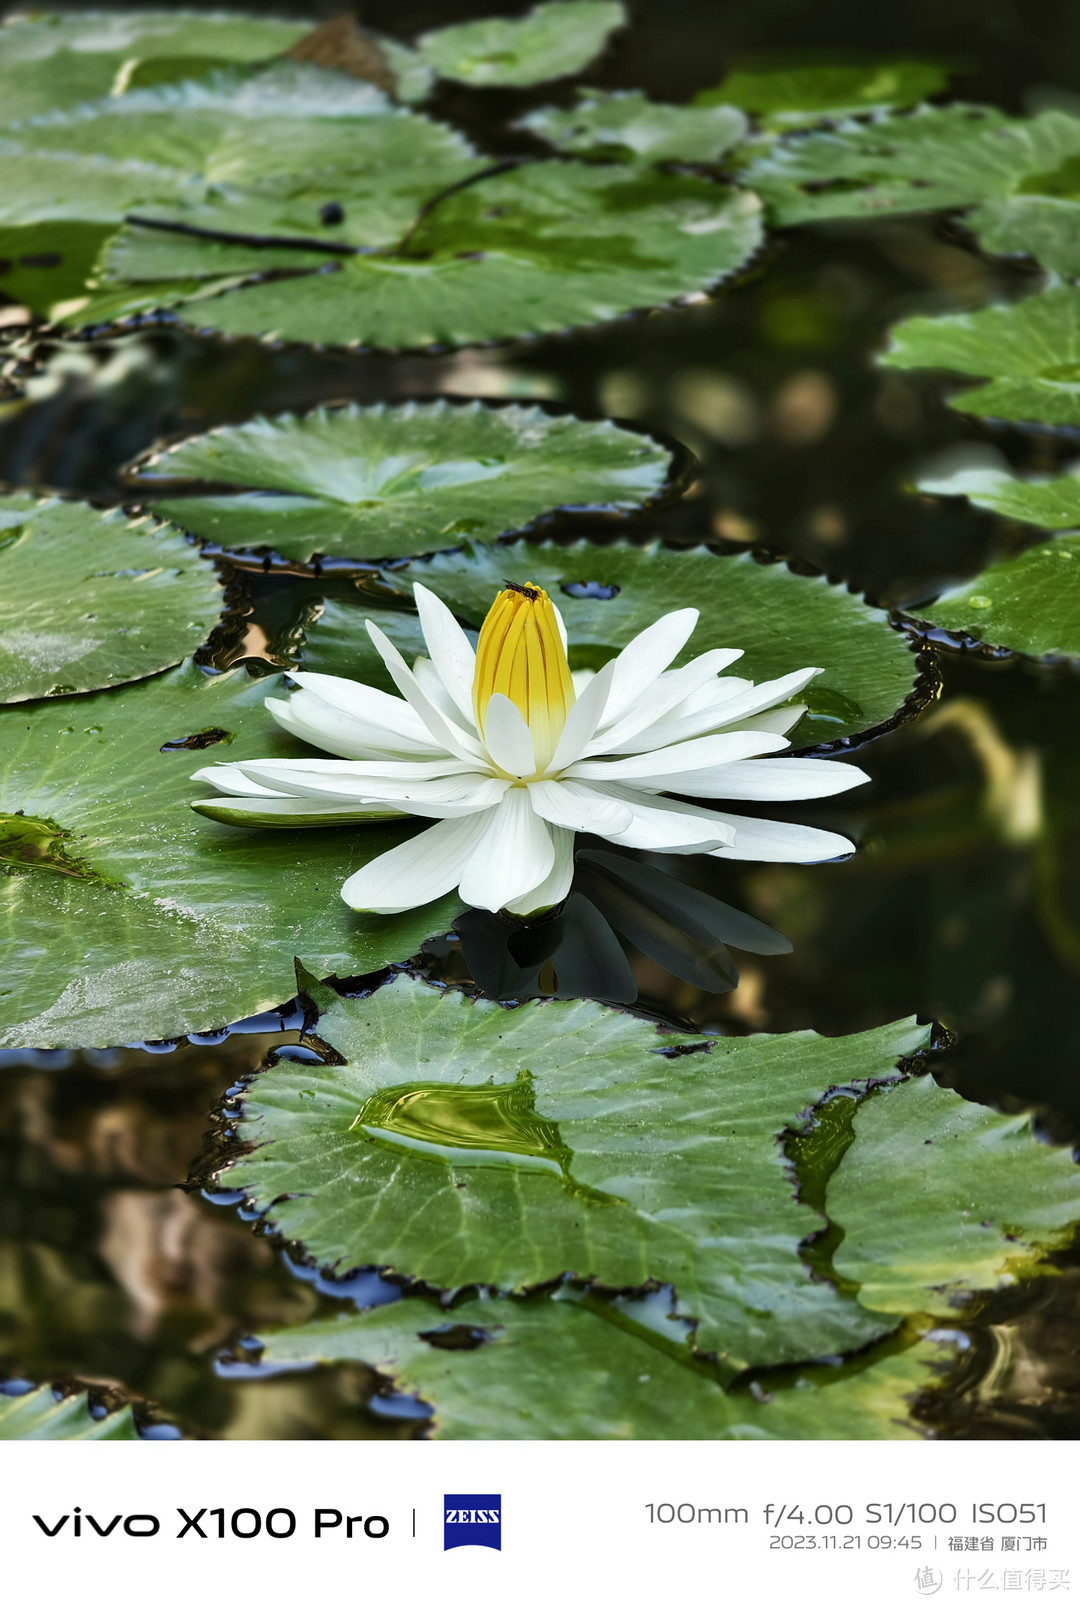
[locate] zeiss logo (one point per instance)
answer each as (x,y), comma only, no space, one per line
(472,1519)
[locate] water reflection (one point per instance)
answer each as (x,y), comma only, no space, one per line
(619,905)
(114,1275)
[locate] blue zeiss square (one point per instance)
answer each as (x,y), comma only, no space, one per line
(472,1519)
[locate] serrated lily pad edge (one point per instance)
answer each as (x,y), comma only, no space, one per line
(168,315)
(683,466)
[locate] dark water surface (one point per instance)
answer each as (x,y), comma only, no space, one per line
(963,904)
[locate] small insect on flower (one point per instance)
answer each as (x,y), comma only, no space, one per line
(512,754)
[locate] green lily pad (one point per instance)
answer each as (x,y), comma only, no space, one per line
(556,1368)
(799,95)
(51,62)
(630,126)
(1049,502)
(555,40)
(1040,226)
(782,621)
(1030,604)
(463,1142)
(543,247)
(371,482)
(45,265)
(1029,352)
(168,922)
(978,1199)
(40,1415)
(253,156)
(90,599)
(934,157)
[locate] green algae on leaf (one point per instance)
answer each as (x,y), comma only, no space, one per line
(1029,604)
(628,125)
(557,1369)
(1028,352)
(40,1415)
(200,922)
(553,40)
(669,1168)
(90,599)
(974,1199)
(376,482)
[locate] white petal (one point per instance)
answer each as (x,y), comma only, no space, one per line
(446,734)
(229,777)
(580,679)
(766,695)
(417,871)
(512,857)
(582,720)
(366,703)
(508,738)
(320,723)
(298,776)
(658,700)
(663,767)
(777,720)
(427,677)
(559,620)
(771,841)
(576,807)
(647,656)
(772,780)
(662,825)
(450,649)
(557,885)
(434,796)
(292,813)
(701,714)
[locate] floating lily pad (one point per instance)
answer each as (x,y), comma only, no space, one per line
(1039,226)
(797,96)
(89,599)
(782,621)
(173,923)
(41,1415)
(1030,604)
(463,1142)
(543,247)
(1029,351)
(372,482)
(547,1368)
(251,156)
(555,40)
(628,125)
(979,1198)
(934,157)
(51,62)
(1049,502)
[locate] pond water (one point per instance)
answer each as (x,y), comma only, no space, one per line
(128,1265)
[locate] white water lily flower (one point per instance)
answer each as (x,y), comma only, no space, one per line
(512,754)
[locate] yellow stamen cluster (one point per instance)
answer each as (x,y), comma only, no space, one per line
(520,654)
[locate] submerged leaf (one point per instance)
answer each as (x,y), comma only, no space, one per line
(978,1198)
(89,599)
(372,482)
(802,94)
(1051,503)
(462,1142)
(558,1369)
